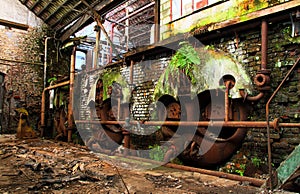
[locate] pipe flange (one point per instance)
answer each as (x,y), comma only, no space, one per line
(276,124)
(261,80)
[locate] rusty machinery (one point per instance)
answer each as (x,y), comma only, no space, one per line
(228,113)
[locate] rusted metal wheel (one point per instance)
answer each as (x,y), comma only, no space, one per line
(208,146)
(107,137)
(169,110)
(214,145)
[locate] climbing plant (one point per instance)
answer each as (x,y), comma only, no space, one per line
(33,48)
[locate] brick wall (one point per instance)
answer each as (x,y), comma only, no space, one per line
(282,54)
(246,48)
(21,80)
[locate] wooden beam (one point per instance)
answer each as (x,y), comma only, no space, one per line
(35,3)
(156,21)
(42,10)
(13,24)
(57,8)
(99,22)
(77,25)
(73,8)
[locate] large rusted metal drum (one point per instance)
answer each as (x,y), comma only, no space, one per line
(209,146)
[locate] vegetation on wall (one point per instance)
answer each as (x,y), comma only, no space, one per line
(204,67)
(33,47)
(182,61)
(111,76)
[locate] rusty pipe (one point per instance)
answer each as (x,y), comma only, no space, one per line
(43,105)
(264,44)
(65,83)
(252,181)
(260,79)
(234,124)
(131,72)
(70,105)
(268,122)
(227,85)
(251,98)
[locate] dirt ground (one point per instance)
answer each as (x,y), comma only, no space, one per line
(46,166)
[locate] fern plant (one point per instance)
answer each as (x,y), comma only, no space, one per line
(184,59)
(157,152)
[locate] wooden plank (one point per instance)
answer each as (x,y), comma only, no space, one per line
(57,8)
(78,25)
(35,4)
(42,10)
(13,24)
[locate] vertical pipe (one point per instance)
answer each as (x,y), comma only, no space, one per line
(171,10)
(264,48)
(268,122)
(156,21)
(43,108)
(264,44)
(111,47)
(70,106)
(96,49)
(127,27)
(227,84)
(131,72)
(45,61)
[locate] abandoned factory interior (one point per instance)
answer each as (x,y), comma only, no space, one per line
(150,96)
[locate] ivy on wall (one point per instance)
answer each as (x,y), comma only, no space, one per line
(33,47)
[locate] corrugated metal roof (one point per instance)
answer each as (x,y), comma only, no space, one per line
(66,17)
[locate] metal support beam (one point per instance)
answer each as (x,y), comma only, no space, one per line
(98,19)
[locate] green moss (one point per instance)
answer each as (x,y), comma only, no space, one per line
(239,10)
(205,74)
(108,78)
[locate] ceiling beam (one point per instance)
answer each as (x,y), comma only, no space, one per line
(37,2)
(77,25)
(24,1)
(57,8)
(79,15)
(42,10)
